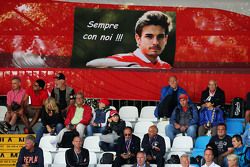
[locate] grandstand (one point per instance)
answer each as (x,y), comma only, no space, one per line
(209,40)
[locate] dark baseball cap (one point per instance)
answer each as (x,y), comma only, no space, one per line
(60,76)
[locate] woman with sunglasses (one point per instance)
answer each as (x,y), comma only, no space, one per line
(52,120)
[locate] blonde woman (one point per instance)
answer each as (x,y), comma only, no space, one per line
(52,120)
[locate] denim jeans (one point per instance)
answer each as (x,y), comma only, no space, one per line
(171,132)
(92,129)
(43,129)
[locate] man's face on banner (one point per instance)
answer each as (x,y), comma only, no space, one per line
(152,41)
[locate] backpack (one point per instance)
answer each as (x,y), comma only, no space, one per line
(174,159)
(237,108)
(107,158)
(68,138)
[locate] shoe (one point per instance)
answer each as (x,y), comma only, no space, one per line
(2,131)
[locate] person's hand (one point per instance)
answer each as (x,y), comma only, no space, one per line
(94,124)
(177,126)
(149,157)
(109,120)
(183,128)
(205,126)
(49,129)
(157,149)
(125,156)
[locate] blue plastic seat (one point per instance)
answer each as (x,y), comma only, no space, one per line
(234,127)
(201,142)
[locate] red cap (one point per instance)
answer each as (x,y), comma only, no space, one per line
(105,101)
(183,96)
(113,112)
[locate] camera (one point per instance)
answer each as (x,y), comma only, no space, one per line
(15,106)
(155,144)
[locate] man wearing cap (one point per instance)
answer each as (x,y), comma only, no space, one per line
(100,117)
(37,95)
(62,93)
(184,119)
(210,118)
(169,98)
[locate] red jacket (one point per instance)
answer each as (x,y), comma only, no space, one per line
(86,118)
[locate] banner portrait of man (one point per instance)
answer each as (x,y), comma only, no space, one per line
(123,39)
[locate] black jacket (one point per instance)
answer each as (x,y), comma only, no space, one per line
(71,158)
(147,147)
(219,96)
(134,146)
(118,127)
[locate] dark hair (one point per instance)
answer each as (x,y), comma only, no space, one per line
(128,127)
(212,150)
(41,83)
(238,138)
(152,18)
(222,124)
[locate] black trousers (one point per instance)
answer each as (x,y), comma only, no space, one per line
(167,106)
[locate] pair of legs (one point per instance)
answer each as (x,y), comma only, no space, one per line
(93,129)
(171,132)
(43,130)
(160,161)
(166,107)
(11,117)
(202,131)
(80,128)
(33,113)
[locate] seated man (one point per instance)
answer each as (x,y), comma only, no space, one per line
(210,117)
(100,117)
(154,146)
(78,117)
(30,155)
(242,151)
(169,98)
(213,91)
(184,119)
(209,158)
(62,93)
(77,156)
(222,143)
(141,160)
(37,95)
(185,161)
(15,106)
(127,147)
(232,160)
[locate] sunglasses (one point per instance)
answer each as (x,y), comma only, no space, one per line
(51,110)
(127,134)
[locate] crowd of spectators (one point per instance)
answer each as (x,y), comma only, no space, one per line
(65,111)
